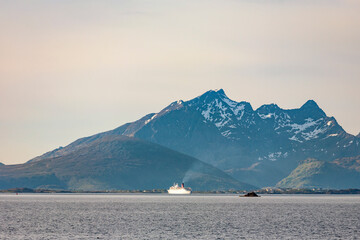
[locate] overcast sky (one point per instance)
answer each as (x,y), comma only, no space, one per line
(70,69)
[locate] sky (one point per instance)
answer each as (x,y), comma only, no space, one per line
(70,69)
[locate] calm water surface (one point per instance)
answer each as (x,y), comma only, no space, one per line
(160,216)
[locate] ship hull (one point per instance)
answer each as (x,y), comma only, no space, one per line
(179,191)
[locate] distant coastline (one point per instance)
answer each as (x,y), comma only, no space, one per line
(266,191)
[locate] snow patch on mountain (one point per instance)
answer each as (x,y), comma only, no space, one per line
(206,113)
(229,102)
(217,112)
(239,108)
(152,118)
(235,107)
(316,128)
(313,134)
(294,138)
(226,133)
(302,127)
(347,145)
(276,155)
(265,116)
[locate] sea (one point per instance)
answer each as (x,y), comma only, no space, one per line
(162,216)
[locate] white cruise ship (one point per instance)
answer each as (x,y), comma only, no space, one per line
(175,189)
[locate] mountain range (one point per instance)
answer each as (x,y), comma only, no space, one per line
(261,147)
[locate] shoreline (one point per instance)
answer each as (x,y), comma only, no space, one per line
(266,191)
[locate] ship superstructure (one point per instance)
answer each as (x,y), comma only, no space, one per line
(176,189)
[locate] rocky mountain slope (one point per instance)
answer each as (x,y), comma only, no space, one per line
(313,173)
(352,163)
(259,146)
(117,162)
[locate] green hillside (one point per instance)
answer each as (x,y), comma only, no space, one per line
(313,173)
(117,162)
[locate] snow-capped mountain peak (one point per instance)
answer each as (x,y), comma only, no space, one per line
(229,120)
(238,120)
(217,108)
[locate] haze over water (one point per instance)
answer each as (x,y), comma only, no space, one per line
(160,216)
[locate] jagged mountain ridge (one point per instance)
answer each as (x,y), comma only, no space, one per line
(259,146)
